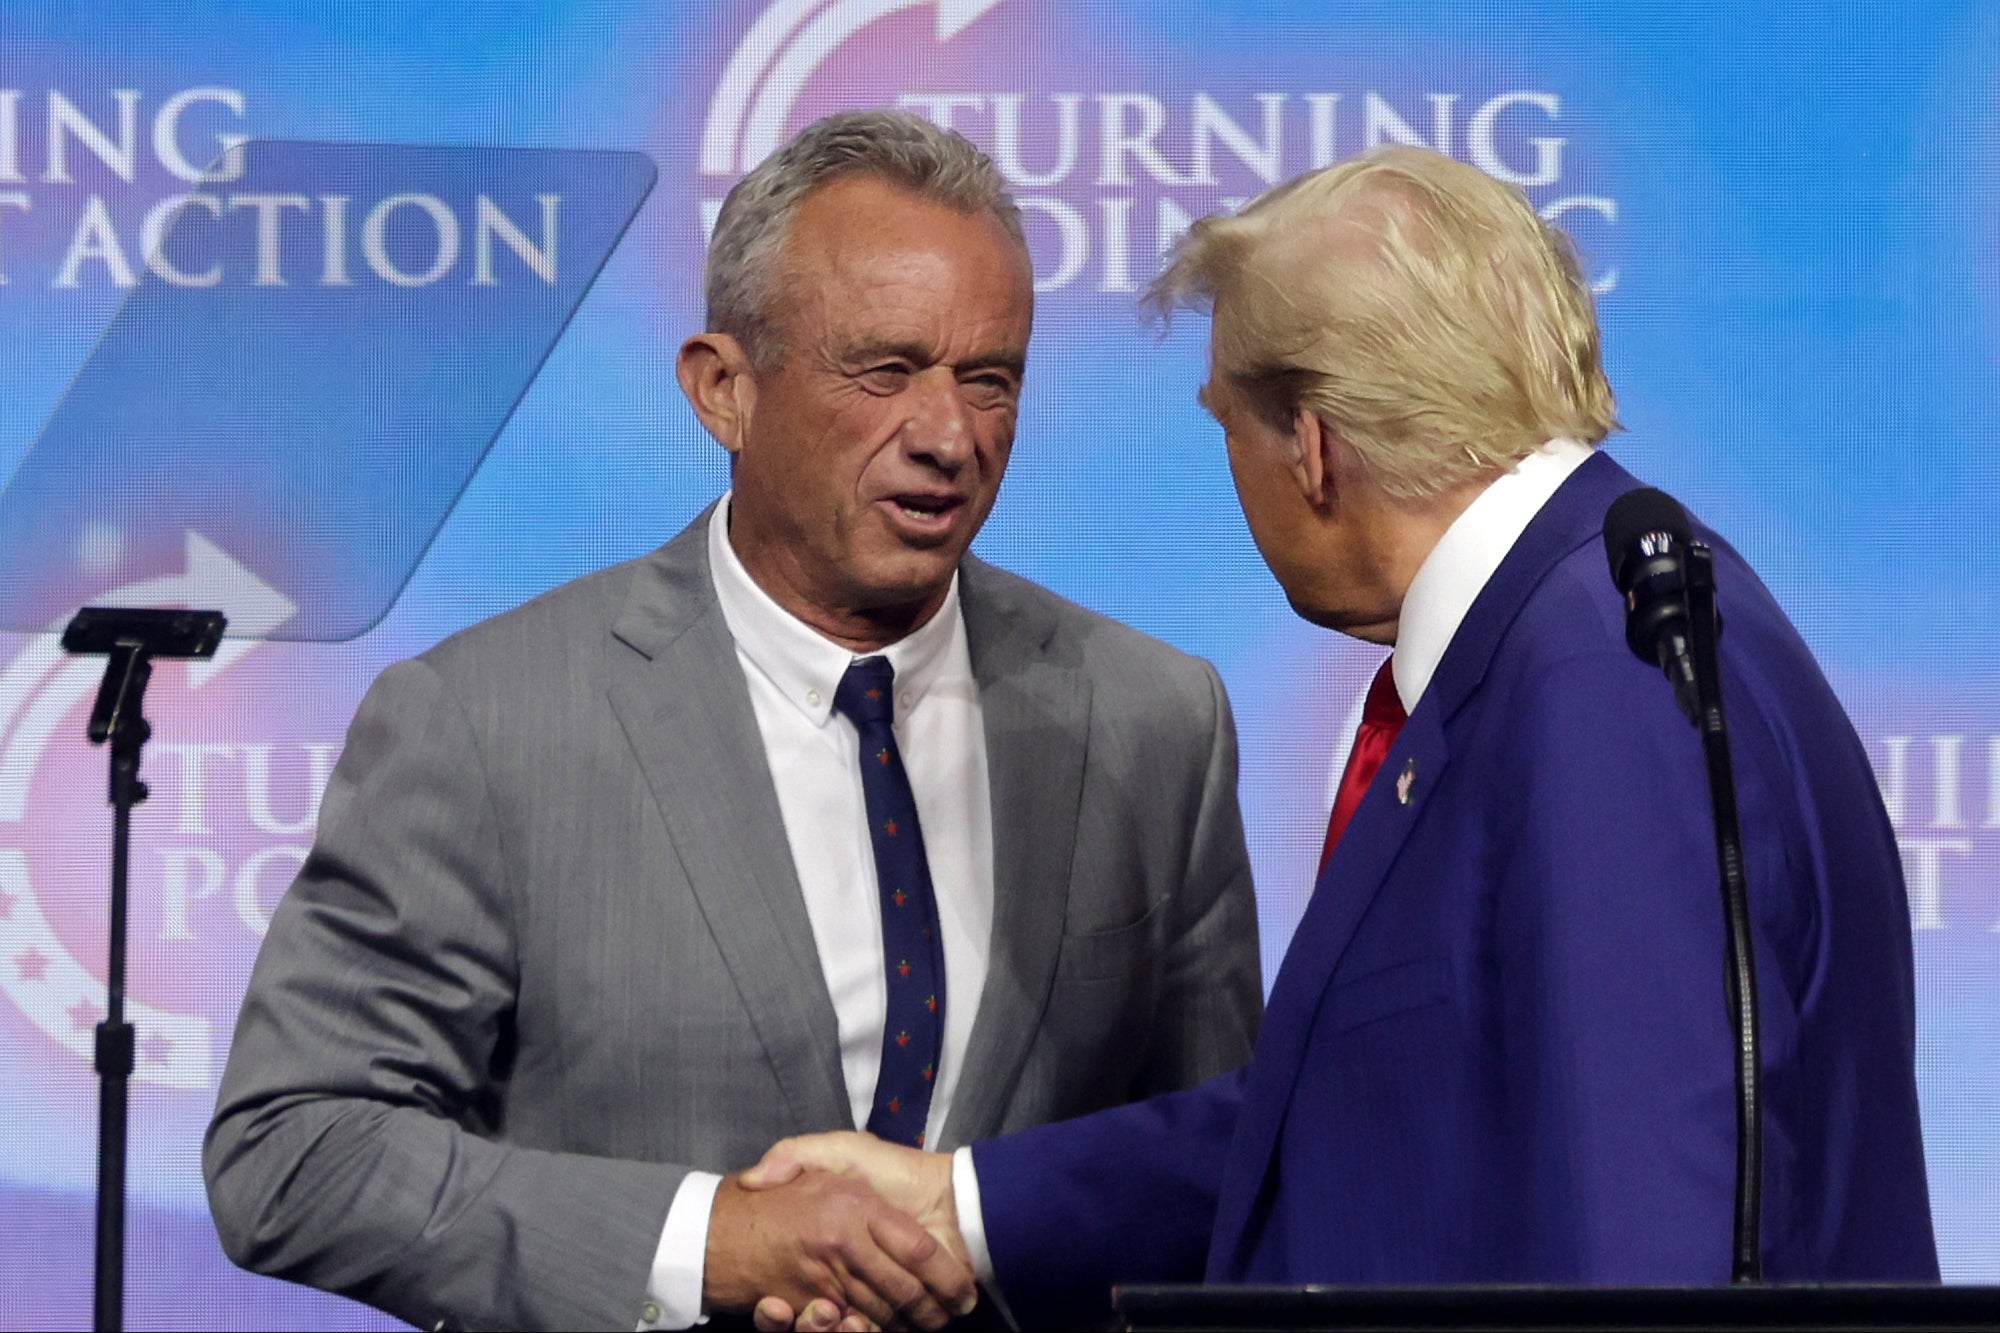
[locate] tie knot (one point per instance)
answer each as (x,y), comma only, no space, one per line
(866,694)
(1383,707)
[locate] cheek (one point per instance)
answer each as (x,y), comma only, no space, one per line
(1250,471)
(851,447)
(1271,506)
(996,440)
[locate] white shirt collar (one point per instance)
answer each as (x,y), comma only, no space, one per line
(1458,567)
(805,665)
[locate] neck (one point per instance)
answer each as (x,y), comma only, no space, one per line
(863,630)
(858,627)
(1401,534)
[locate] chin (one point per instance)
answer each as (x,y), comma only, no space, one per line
(915,578)
(1354,624)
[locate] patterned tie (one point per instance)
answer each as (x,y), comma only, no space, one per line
(1382,719)
(913,1032)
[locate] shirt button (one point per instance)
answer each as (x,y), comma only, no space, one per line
(650,1312)
(812,697)
(904,698)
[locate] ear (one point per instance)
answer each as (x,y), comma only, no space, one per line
(1310,443)
(716,375)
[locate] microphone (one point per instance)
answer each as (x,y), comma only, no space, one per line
(1646,541)
(1668,579)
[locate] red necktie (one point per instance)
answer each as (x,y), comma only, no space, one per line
(1382,719)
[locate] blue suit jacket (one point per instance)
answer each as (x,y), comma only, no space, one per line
(1498,1049)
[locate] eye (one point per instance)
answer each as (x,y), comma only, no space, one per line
(989,390)
(887,378)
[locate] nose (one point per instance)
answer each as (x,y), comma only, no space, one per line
(939,428)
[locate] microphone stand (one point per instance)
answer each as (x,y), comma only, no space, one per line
(119,718)
(1746,1263)
(130,639)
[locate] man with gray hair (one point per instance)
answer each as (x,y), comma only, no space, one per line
(808,820)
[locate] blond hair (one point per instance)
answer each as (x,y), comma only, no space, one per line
(1415,304)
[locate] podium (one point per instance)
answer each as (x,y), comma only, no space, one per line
(1600,1309)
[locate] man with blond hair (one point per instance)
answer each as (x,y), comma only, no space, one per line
(1498,1049)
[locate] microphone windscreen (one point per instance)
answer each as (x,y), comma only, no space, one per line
(1632,516)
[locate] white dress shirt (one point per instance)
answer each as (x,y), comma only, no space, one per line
(1445,585)
(814,758)
(1456,571)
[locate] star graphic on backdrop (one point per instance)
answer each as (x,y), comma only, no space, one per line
(155,1049)
(83,1015)
(7,905)
(32,965)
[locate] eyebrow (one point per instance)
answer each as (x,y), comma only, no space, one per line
(919,354)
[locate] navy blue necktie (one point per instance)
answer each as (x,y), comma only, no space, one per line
(913,1034)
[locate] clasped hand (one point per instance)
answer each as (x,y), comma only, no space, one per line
(839,1231)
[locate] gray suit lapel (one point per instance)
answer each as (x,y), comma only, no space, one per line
(681,698)
(1037,718)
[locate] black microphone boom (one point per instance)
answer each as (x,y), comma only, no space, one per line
(1668,579)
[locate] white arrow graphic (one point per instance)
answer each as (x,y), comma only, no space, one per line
(778,56)
(38,690)
(32,705)
(739,80)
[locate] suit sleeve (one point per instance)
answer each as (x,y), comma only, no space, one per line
(1123,1196)
(1609,945)
(1213,994)
(377,1026)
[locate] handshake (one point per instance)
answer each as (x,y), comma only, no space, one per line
(840,1231)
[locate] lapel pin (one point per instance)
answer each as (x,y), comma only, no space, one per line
(1405,781)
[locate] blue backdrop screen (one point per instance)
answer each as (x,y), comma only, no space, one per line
(1790,213)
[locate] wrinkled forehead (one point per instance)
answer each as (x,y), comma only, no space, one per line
(875,240)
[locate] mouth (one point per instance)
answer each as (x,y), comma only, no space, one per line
(924,515)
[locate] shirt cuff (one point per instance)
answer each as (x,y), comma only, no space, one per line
(971,1220)
(673,1293)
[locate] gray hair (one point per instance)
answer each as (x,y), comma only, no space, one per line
(898,147)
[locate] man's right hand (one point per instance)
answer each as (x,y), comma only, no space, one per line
(918,1183)
(828,1237)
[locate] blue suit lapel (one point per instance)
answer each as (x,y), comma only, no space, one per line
(1346,888)
(1368,851)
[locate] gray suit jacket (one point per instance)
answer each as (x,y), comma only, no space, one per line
(550,952)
